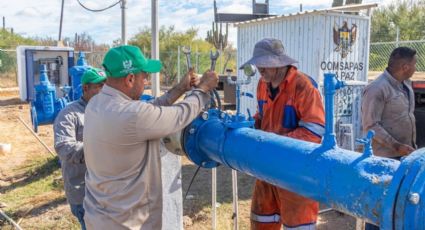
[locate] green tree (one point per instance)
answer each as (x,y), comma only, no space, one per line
(407,16)
(10,40)
(336,3)
(7,61)
(169,41)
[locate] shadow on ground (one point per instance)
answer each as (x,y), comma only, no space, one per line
(11,101)
(31,175)
(42,208)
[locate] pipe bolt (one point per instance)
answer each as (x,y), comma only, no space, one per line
(222,115)
(414,198)
(205,116)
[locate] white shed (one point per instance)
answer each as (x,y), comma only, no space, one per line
(331,40)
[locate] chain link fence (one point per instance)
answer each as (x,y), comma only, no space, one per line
(380,52)
(8,70)
(173,71)
(174,65)
(93,58)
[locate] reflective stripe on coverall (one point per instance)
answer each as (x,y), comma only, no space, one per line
(296,111)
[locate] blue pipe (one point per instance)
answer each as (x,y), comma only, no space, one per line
(380,190)
(331,84)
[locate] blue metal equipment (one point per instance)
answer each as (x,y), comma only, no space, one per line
(383,191)
(46,105)
(76,72)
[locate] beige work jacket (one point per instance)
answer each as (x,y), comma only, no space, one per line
(387,108)
(122,154)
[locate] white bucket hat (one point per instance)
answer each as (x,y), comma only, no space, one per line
(269,53)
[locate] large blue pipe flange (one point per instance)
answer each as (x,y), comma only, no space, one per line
(190,136)
(409,210)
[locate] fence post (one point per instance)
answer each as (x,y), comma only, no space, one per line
(398,37)
(178,64)
(197,59)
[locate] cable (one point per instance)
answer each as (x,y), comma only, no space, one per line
(217,97)
(98,10)
(215,103)
(191,181)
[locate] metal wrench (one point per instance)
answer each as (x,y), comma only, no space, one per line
(213,58)
(186,51)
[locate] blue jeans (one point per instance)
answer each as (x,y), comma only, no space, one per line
(78,211)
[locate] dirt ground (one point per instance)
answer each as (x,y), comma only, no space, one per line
(44,207)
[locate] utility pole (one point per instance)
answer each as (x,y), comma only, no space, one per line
(155,47)
(60,23)
(123,22)
(4,23)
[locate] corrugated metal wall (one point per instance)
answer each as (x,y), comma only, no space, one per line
(309,39)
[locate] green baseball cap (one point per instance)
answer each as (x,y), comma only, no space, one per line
(93,75)
(123,60)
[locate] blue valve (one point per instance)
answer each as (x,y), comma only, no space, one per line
(367,143)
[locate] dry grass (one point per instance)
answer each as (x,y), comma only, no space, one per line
(28,175)
(8,80)
(198,208)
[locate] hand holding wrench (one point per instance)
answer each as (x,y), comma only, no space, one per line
(213,58)
(186,51)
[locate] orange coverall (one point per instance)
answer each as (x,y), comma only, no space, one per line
(297,112)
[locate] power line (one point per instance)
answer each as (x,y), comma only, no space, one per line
(98,10)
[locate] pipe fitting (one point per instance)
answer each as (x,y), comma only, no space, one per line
(331,84)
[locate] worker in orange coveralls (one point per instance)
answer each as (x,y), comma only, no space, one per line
(289,104)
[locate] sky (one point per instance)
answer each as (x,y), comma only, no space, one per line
(41,17)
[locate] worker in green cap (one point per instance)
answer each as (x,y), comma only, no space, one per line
(68,128)
(122,140)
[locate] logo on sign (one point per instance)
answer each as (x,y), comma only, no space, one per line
(344,38)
